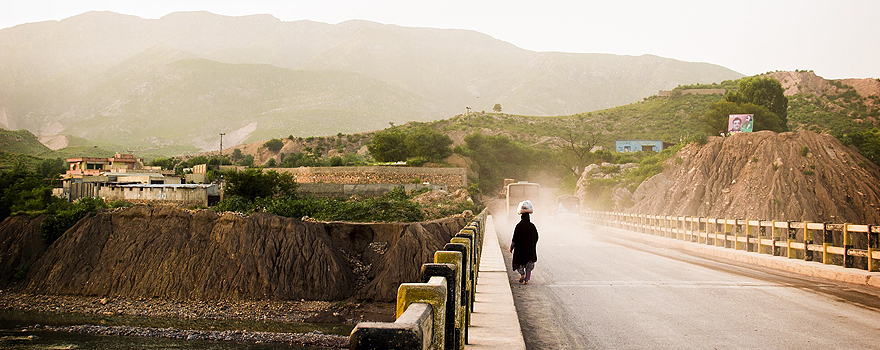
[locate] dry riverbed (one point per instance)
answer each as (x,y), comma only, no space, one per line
(293,312)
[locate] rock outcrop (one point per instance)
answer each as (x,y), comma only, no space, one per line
(802,176)
(174,253)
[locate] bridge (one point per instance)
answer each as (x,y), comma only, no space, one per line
(608,282)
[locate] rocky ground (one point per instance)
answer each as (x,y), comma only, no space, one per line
(307,339)
(276,311)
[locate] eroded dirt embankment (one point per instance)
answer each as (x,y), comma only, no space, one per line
(802,176)
(171,253)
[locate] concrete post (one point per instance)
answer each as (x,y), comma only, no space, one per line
(412,330)
(455,258)
(471,274)
(432,293)
(465,285)
(450,272)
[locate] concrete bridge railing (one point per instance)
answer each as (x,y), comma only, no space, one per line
(434,314)
(847,245)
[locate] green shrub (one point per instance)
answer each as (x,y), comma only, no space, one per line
(274,145)
(234,203)
(610,169)
(336,161)
(64,215)
(254,183)
(395,206)
(21,271)
(416,161)
(804,151)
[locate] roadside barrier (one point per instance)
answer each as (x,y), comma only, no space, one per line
(847,245)
(434,314)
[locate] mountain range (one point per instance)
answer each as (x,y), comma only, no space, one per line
(179,81)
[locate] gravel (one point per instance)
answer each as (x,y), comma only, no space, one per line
(343,312)
(311,339)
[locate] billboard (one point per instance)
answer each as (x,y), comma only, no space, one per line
(740,123)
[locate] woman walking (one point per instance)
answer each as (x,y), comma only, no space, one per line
(525,238)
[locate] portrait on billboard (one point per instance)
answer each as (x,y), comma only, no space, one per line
(740,123)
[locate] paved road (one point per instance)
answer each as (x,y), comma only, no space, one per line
(599,288)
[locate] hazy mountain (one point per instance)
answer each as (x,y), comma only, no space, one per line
(184,78)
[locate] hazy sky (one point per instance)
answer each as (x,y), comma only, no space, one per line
(836,39)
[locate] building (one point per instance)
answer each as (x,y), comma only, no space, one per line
(640,146)
(174,194)
(87,175)
(120,163)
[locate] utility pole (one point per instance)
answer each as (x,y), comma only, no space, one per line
(220,160)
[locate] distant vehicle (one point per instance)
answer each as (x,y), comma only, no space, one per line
(520,191)
(568,205)
(504,188)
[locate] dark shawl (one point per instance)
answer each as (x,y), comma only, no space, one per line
(525,238)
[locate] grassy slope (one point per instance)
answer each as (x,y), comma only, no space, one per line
(20,142)
(836,114)
(655,118)
(674,118)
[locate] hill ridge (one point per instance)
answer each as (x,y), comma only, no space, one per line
(430,73)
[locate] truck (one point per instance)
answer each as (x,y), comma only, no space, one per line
(520,191)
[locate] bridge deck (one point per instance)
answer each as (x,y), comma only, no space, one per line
(495,324)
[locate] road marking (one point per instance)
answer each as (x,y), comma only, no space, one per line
(675,284)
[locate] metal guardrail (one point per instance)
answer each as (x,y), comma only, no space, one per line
(848,245)
(436,313)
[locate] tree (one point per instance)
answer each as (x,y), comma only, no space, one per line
(762,91)
(389,146)
(867,141)
(274,145)
(253,183)
(164,163)
(580,144)
(497,108)
(428,143)
(247,160)
(497,157)
(51,169)
(22,190)
(714,121)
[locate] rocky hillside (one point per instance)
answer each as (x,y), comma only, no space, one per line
(178,254)
(801,176)
(830,106)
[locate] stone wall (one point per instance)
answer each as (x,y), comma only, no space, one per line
(453,178)
(185,195)
(667,93)
(366,190)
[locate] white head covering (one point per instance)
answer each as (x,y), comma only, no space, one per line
(525,207)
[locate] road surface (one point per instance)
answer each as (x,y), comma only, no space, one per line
(600,288)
